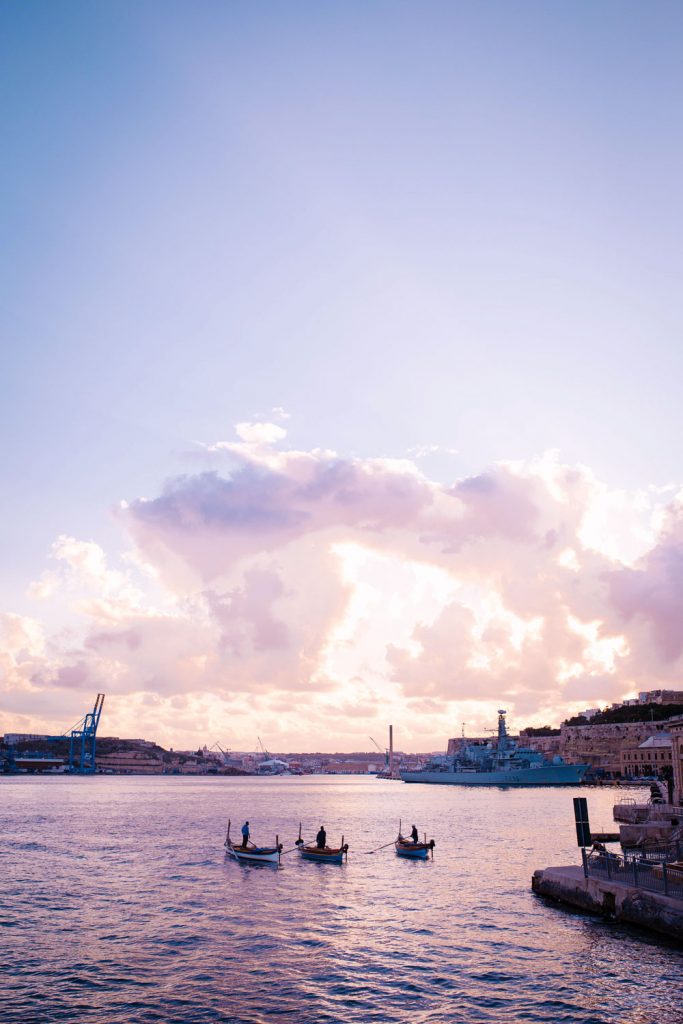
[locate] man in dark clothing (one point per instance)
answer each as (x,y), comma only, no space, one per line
(413,835)
(321,838)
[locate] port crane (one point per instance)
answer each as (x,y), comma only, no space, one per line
(385,752)
(83,740)
(225,753)
(265,753)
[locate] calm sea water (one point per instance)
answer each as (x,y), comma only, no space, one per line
(117,904)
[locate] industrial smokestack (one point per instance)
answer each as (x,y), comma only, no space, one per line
(391,752)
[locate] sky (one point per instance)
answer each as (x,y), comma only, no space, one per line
(341,362)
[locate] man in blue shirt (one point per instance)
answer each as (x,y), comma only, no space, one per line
(245,834)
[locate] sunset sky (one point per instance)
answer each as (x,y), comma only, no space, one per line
(342,363)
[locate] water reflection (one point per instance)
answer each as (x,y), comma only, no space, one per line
(119,905)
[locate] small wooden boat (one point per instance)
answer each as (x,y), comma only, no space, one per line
(323,855)
(252,854)
(416,851)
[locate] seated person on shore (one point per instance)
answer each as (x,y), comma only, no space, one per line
(321,838)
(413,835)
(245,835)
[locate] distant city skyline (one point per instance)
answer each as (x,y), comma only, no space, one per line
(341,366)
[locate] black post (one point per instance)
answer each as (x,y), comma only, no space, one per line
(583,829)
(666,880)
(584,858)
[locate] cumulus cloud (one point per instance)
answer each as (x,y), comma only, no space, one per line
(260,433)
(93,587)
(648,597)
(421,451)
(314,598)
(208,522)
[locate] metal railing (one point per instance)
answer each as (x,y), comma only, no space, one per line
(635,871)
(656,854)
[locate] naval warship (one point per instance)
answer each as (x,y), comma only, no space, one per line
(503,763)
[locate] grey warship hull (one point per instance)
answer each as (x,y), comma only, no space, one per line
(544,775)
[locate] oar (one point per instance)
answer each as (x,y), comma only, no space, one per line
(368,852)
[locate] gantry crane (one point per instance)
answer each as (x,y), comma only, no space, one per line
(83,740)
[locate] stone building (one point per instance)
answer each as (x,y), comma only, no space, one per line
(352,768)
(600,746)
(675,727)
(130,762)
(660,697)
(648,758)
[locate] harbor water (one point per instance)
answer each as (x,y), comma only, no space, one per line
(118,905)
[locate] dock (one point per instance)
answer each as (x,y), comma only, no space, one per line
(618,897)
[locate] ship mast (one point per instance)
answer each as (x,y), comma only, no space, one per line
(502,737)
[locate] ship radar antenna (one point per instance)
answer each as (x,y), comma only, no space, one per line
(502,732)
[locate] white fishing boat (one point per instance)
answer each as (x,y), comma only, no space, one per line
(252,854)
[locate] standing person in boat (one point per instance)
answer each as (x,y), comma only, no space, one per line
(245,834)
(321,838)
(413,835)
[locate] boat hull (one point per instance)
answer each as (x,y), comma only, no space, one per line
(321,856)
(259,855)
(417,851)
(546,775)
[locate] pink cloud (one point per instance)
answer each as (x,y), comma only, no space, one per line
(652,594)
(253,604)
(246,614)
(498,504)
(208,522)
